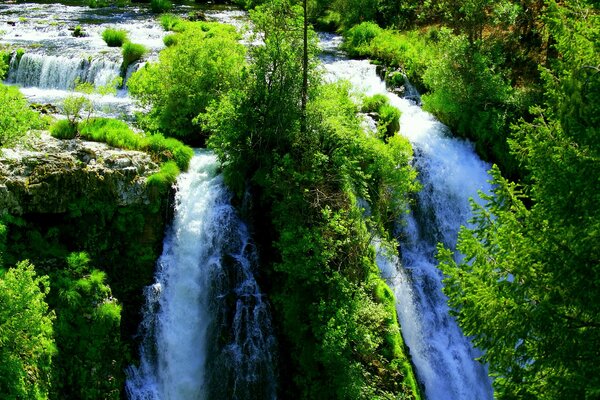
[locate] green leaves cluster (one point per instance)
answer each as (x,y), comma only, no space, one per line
(204,63)
(87,330)
(26,334)
(338,335)
(16,119)
(527,290)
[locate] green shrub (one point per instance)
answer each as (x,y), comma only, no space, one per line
(374,103)
(171,22)
(98,3)
(16,118)
(360,36)
(389,120)
(170,40)
(114,37)
(112,132)
(118,134)
(63,129)
(19,54)
(132,52)
(78,31)
(207,61)
(4,63)
(160,6)
(169,149)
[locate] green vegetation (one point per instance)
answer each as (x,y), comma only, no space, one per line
(25,333)
(160,6)
(332,310)
(87,331)
(204,63)
(114,37)
(527,288)
(386,115)
(78,31)
(80,349)
(4,63)
(16,119)
(171,22)
(132,52)
(118,134)
(107,3)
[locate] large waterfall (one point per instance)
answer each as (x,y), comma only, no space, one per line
(207,329)
(451,173)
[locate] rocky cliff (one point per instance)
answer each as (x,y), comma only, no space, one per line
(47,175)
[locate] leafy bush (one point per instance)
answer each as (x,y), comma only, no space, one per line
(170,40)
(360,36)
(87,332)
(114,37)
(387,116)
(26,335)
(374,103)
(160,6)
(16,118)
(63,129)
(118,134)
(78,31)
(206,61)
(169,149)
(4,64)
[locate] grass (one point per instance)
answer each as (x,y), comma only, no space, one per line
(118,134)
(114,37)
(171,22)
(132,52)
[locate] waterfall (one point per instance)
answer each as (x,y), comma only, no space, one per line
(58,72)
(206,327)
(451,173)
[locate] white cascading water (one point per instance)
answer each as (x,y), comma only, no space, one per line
(58,72)
(451,173)
(206,329)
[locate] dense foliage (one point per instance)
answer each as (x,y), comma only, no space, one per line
(26,341)
(203,62)
(16,119)
(527,290)
(338,330)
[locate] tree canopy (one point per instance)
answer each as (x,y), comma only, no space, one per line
(528,287)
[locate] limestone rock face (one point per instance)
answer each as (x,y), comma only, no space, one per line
(47,175)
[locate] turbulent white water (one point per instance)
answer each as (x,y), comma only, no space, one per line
(451,173)
(54,60)
(207,331)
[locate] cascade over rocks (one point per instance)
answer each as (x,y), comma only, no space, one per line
(48,174)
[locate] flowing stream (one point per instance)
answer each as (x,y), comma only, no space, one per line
(54,60)
(207,329)
(451,173)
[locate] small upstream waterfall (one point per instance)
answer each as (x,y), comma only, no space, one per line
(451,173)
(58,72)
(207,329)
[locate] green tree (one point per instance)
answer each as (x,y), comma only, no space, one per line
(90,361)
(527,289)
(204,64)
(26,342)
